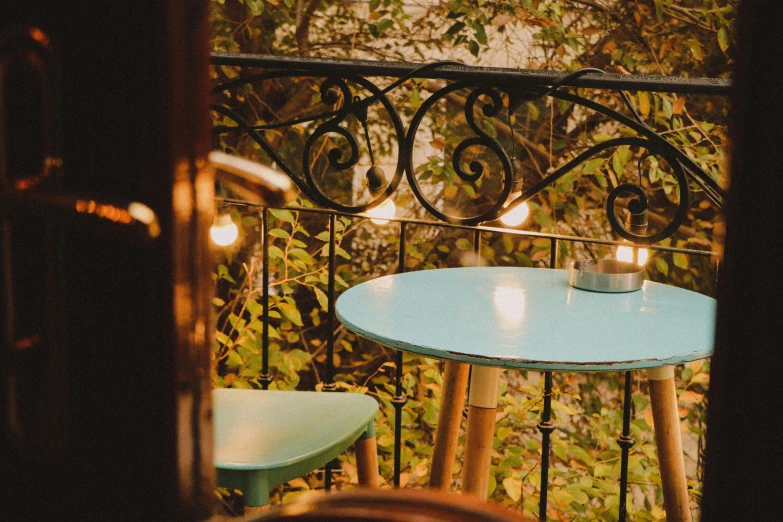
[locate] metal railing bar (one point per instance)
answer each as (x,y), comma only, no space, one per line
(478,75)
(546,427)
(329,384)
(484,228)
(399,399)
(625,442)
(265,378)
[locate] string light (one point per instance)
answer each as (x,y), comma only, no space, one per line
(625,253)
(224,232)
(517,215)
(520,213)
(381,214)
(376,182)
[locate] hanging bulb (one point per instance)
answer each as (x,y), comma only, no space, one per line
(636,223)
(516,216)
(381,214)
(625,253)
(519,214)
(376,182)
(376,179)
(224,232)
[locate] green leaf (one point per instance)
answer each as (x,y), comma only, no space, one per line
(279,232)
(578,495)
(322,299)
(618,165)
(473,47)
(695,47)
(659,10)
(544,219)
(386,440)
(593,165)
(680,260)
(481,34)
(340,281)
(532,110)
(644,103)
(469,190)
(290,312)
(640,401)
(580,454)
(723,39)
(560,451)
(223,273)
(223,338)
(283,215)
(562,496)
(463,244)
(385,24)
(508,244)
(300,254)
(513,486)
(254,307)
(233,359)
(560,407)
(667,108)
(504,432)
(662,266)
(602,470)
(457,27)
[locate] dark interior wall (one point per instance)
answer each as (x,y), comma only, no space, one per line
(744,466)
(133,441)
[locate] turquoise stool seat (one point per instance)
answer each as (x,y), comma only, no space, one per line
(265,438)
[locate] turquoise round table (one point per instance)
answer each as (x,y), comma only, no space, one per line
(506,317)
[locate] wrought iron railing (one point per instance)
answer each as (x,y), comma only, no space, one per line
(505,90)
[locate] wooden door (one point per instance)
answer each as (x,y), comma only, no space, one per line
(105,289)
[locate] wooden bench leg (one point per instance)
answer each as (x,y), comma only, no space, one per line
(367,462)
(452,399)
(663,400)
(482,409)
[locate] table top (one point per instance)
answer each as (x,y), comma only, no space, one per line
(530,318)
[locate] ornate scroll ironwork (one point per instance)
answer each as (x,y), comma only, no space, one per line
(504,93)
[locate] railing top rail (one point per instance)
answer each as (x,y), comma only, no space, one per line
(480,228)
(473,74)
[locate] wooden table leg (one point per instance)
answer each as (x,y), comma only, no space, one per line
(663,399)
(482,409)
(452,399)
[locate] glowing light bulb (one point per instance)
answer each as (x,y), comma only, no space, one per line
(625,253)
(224,232)
(381,214)
(518,215)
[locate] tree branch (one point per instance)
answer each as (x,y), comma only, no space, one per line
(303,18)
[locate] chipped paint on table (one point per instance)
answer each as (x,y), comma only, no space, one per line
(530,318)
